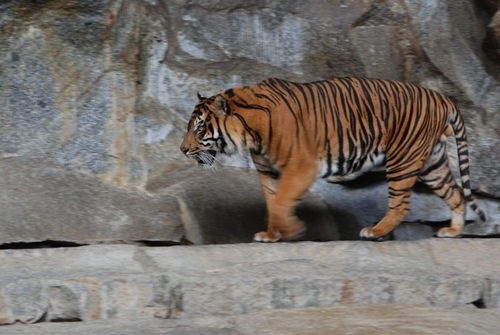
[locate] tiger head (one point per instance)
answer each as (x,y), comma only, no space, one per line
(205,137)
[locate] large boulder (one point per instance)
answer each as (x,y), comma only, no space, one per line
(41,201)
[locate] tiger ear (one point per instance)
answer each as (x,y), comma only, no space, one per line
(200,97)
(222,105)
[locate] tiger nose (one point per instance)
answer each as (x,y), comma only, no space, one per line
(184,149)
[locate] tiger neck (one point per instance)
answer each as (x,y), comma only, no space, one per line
(249,119)
(245,132)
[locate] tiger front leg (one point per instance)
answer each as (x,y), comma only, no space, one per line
(281,225)
(268,183)
(281,197)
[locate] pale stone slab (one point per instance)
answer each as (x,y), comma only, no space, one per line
(355,320)
(116,281)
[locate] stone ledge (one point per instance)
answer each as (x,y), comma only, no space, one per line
(358,320)
(119,281)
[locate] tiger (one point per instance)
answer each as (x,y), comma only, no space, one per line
(336,130)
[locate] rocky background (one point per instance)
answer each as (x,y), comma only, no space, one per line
(94,98)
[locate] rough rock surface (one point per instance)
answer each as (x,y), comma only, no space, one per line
(117,281)
(353,320)
(42,201)
(103,89)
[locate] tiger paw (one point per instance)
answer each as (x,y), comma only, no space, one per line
(367,233)
(449,232)
(266,237)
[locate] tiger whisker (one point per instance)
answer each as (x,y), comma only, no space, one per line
(207,160)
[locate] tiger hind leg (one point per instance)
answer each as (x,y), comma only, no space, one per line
(403,166)
(437,176)
(399,206)
(400,186)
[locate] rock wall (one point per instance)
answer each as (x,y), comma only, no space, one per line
(94,98)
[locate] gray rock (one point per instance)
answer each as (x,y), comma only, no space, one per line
(492,39)
(359,320)
(24,300)
(42,201)
(64,302)
(375,46)
(107,282)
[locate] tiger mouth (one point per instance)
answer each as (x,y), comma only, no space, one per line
(206,158)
